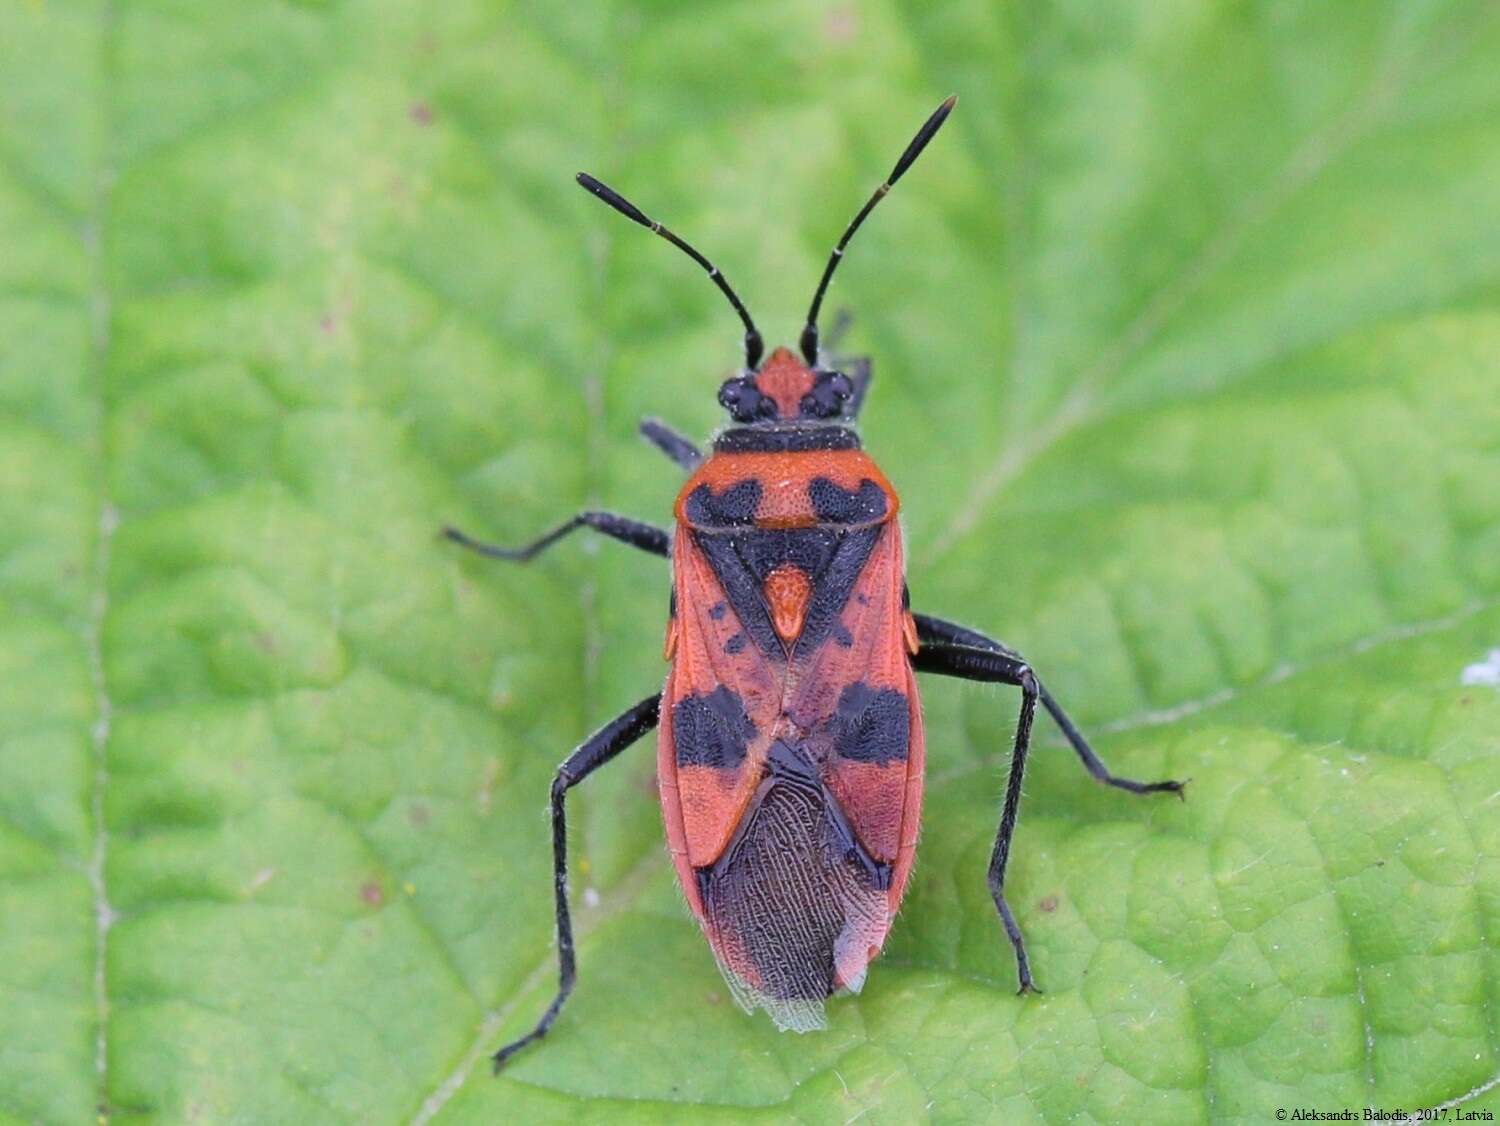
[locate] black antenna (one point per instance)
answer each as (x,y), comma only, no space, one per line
(918,143)
(754,346)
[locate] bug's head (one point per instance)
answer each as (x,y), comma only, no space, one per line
(784,389)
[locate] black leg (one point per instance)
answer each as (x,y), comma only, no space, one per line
(971,663)
(936,631)
(671,443)
(633,532)
(600,747)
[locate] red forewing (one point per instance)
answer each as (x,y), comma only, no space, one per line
(724,696)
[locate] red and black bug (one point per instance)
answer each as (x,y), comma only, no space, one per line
(790,751)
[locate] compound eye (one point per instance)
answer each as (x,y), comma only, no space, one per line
(743,401)
(830,392)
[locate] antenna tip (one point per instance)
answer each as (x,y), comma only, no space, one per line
(925,134)
(613,198)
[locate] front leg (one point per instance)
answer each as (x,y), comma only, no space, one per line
(600,747)
(681,450)
(938,632)
(972,663)
(644,536)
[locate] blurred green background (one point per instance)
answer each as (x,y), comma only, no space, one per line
(1187,344)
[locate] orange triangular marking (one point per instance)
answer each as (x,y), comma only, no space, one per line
(788,590)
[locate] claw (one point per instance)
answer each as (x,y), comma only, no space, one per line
(497,1061)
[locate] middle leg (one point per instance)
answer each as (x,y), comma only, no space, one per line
(644,536)
(936,631)
(971,663)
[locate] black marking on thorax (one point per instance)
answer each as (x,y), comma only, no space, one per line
(837,505)
(785,439)
(737,505)
(733,508)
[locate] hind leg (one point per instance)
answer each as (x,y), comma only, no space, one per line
(938,632)
(970,663)
(600,747)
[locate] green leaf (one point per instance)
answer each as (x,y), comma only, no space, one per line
(1187,343)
